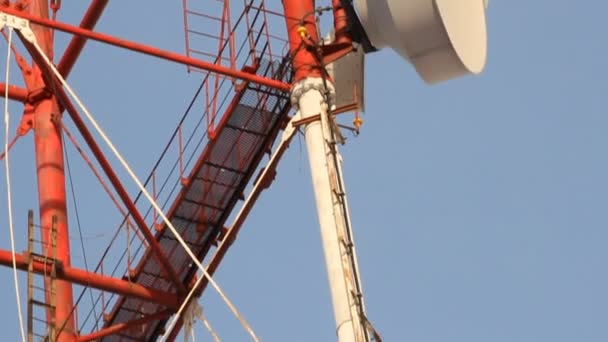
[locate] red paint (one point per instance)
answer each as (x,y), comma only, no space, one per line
(77,43)
(14,92)
(52,201)
(49,154)
(149,50)
(48,146)
(301,13)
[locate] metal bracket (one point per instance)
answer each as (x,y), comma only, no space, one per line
(308,84)
(19,24)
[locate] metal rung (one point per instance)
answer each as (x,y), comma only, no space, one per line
(39,303)
(203,15)
(191,220)
(134,311)
(40,320)
(154,275)
(198,52)
(221,167)
(203,34)
(212,181)
(42,243)
(39,288)
(42,258)
(266,91)
(246,130)
(202,204)
(191,244)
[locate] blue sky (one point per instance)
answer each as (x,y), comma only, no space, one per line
(479,205)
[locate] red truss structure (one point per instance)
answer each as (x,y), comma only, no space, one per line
(201,176)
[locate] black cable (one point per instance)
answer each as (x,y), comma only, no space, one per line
(84,255)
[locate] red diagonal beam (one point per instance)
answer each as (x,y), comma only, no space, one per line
(64,100)
(77,43)
(116,328)
(150,50)
(93,280)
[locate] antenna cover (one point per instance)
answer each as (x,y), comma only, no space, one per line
(442,39)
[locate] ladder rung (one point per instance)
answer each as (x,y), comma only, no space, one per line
(213,181)
(174,240)
(246,130)
(188,220)
(36,287)
(42,258)
(203,204)
(40,320)
(39,303)
(224,168)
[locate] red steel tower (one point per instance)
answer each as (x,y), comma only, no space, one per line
(246,98)
(258,89)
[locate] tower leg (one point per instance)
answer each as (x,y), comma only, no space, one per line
(51,183)
(52,201)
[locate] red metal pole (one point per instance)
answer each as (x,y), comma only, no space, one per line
(52,201)
(14,92)
(76,45)
(51,183)
(94,280)
(302,32)
(149,50)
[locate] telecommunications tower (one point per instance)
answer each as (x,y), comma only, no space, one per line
(267,72)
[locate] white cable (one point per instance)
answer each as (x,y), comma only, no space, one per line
(8,184)
(288,134)
(193,312)
(181,309)
(141,187)
(207,325)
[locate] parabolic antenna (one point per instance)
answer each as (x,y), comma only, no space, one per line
(442,39)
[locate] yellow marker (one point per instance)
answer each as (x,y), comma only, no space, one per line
(358,122)
(302,31)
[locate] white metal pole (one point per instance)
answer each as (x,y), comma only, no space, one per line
(309,96)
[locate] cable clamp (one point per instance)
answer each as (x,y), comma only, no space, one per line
(312,83)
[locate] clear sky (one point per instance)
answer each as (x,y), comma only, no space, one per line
(479,206)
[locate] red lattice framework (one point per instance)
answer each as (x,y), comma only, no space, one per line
(201,175)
